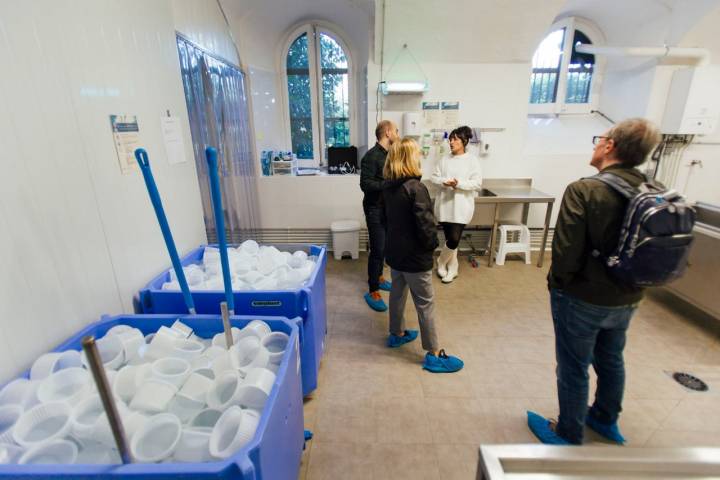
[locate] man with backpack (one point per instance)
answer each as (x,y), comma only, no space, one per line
(591,304)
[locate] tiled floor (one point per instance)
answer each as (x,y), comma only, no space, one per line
(378,415)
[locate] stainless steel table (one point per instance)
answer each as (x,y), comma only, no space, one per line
(498,195)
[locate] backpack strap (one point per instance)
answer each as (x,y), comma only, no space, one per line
(621,186)
(617,183)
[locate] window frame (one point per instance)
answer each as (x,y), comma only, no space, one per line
(560,106)
(314,29)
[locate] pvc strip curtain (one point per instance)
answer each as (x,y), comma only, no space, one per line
(216,97)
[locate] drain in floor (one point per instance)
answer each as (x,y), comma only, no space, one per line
(690,381)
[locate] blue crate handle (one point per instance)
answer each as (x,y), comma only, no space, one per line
(211,155)
(142,158)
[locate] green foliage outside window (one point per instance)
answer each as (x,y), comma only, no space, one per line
(335,95)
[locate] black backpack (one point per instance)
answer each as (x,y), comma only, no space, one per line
(656,234)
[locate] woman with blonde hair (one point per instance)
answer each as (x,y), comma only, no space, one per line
(409,245)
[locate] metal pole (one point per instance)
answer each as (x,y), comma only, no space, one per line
(548,214)
(215,193)
(98,372)
(496,215)
(226,324)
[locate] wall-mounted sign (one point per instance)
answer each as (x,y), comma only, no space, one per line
(431,115)
(172,136)
(450,115)
(126,135)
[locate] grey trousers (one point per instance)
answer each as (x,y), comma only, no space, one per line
(421,289)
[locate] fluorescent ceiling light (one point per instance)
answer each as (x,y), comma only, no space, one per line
(404,87)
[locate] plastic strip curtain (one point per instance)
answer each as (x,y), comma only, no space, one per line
(218,110)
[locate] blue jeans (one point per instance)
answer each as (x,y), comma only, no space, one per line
(588,334)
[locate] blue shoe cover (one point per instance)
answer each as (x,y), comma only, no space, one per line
(395,341)
(386,285)
(540,427)
(308,436)
(611,432)
(442,363)
(377,305)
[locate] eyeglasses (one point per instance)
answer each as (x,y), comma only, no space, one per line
(597,138)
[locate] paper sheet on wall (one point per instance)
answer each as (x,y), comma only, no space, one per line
(450,115)
(126,135)
(431,115)
(172,136)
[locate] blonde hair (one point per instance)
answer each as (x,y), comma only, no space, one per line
(403,160)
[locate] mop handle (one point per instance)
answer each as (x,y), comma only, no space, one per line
(142,158)
(211,155)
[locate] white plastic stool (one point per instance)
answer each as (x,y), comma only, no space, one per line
(521,246)
(346,238)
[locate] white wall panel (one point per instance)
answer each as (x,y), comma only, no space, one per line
(77,237)
(309,202)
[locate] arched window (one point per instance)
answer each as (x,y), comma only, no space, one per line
(579,72)
(317,68)
(563,80)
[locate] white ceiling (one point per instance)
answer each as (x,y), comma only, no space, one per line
(461,31)
(646,23)
(641,22)
(262,25)
(469,31)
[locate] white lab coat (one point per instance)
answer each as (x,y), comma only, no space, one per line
(457,205)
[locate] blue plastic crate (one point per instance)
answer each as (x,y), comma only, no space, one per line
(274,452)
(307,302)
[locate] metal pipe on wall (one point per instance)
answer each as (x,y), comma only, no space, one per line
(702,55)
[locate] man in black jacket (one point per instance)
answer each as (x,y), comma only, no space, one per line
(591,310)
(371,183)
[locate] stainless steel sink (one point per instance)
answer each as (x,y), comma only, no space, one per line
(486,193)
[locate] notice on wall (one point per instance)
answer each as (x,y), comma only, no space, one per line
(450,113)
(432,115)
(126,135)
(172,137)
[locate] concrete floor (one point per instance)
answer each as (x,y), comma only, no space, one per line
(378,415)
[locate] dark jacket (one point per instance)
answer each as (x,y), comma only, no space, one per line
(411,232)
(590,217)
(371,175)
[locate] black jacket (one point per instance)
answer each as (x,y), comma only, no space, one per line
(371,175)
(590,218)
(411,232)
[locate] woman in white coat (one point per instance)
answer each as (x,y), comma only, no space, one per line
(459,177)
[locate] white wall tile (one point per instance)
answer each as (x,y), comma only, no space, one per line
(77,237)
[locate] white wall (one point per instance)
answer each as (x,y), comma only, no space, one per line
(558,150)
(640,88)
(477,53)
(309,202)
(492,84)
(78,238)
(702,183)
(262,29)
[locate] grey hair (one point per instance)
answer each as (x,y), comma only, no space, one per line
(634,139)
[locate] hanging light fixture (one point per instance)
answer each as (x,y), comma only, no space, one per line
(415,84)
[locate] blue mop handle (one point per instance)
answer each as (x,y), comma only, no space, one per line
(142,158)
(211,155)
